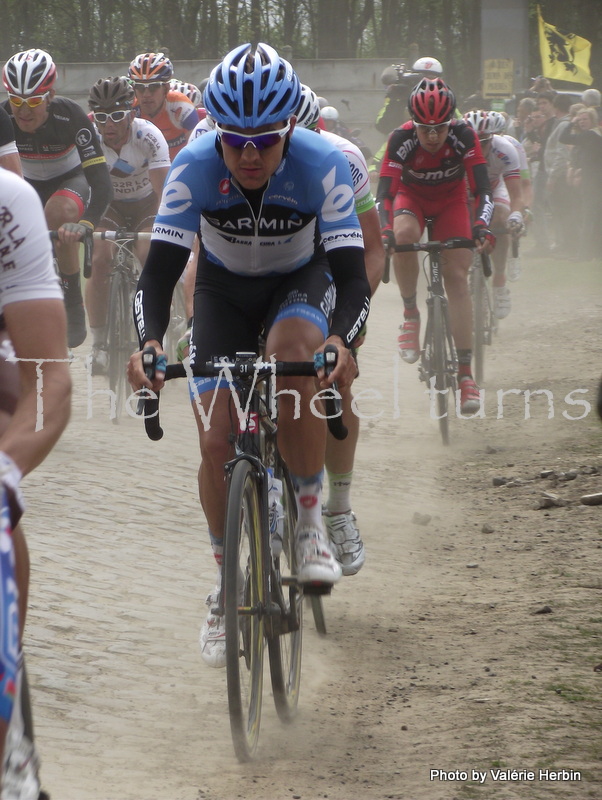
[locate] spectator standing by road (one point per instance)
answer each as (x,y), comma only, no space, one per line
(585,135)
(556,163)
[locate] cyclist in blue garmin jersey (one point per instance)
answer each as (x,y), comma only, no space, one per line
(281,251)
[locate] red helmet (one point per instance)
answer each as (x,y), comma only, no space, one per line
(431,102)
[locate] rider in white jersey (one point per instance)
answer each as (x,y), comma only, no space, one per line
(503,168)
(132,167)
(340,520)
(137,155)
(499,124)
(33,328)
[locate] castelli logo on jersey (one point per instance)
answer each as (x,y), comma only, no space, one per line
(308,500)
(224,186)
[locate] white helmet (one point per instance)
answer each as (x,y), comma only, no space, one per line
(191,91)
(428,65)
(481,123)
(29,72)
(308,112)
(329,112)
(497,122)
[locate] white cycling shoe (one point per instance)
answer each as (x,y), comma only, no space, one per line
(346,541)
(316,563)
(502,304)
(212,639)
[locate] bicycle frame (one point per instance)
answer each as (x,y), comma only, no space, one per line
(253,598)
(438,360)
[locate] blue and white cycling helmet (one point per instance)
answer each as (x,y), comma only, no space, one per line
(308,112)
(249,90)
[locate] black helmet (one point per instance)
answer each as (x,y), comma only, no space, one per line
(111,93)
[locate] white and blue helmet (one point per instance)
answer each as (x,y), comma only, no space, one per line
(252,89)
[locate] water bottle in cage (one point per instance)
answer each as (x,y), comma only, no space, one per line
(276,512)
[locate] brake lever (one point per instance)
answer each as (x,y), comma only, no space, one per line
(333,405)
(150,405)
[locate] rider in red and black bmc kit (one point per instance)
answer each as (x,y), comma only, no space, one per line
(424,175)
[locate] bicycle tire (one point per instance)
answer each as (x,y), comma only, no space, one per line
(120,338)
(285,646)
(243,589)
(479,315)
(317,610)
(439,368)
(25,699)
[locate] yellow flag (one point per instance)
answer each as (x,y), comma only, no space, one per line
(564,57)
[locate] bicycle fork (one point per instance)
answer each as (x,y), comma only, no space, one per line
(426,368)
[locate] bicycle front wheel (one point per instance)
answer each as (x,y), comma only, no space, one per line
(285,639)
(244,606)
(440,375)
(121,338)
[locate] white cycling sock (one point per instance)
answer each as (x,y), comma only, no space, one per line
(308,493)
(99,335)
(339,492)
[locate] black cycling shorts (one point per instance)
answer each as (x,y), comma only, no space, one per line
(231,311)
(134,215)
(76,187)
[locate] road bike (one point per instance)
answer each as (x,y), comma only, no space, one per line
(260,597)
(122,339)
(484,322)
(438,366)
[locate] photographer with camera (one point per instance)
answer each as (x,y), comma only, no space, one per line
(400,83)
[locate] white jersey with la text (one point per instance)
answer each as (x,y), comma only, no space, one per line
(26,269)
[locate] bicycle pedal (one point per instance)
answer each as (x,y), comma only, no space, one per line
(318,589)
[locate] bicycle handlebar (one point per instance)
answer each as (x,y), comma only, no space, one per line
(118,236)
(435,246)
(87,243)
(122,235)
(241,367)
(449,244)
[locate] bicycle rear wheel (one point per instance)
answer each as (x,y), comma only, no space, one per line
(480,307)
(244,591)
(285,636)
(121,338)
(441,355)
